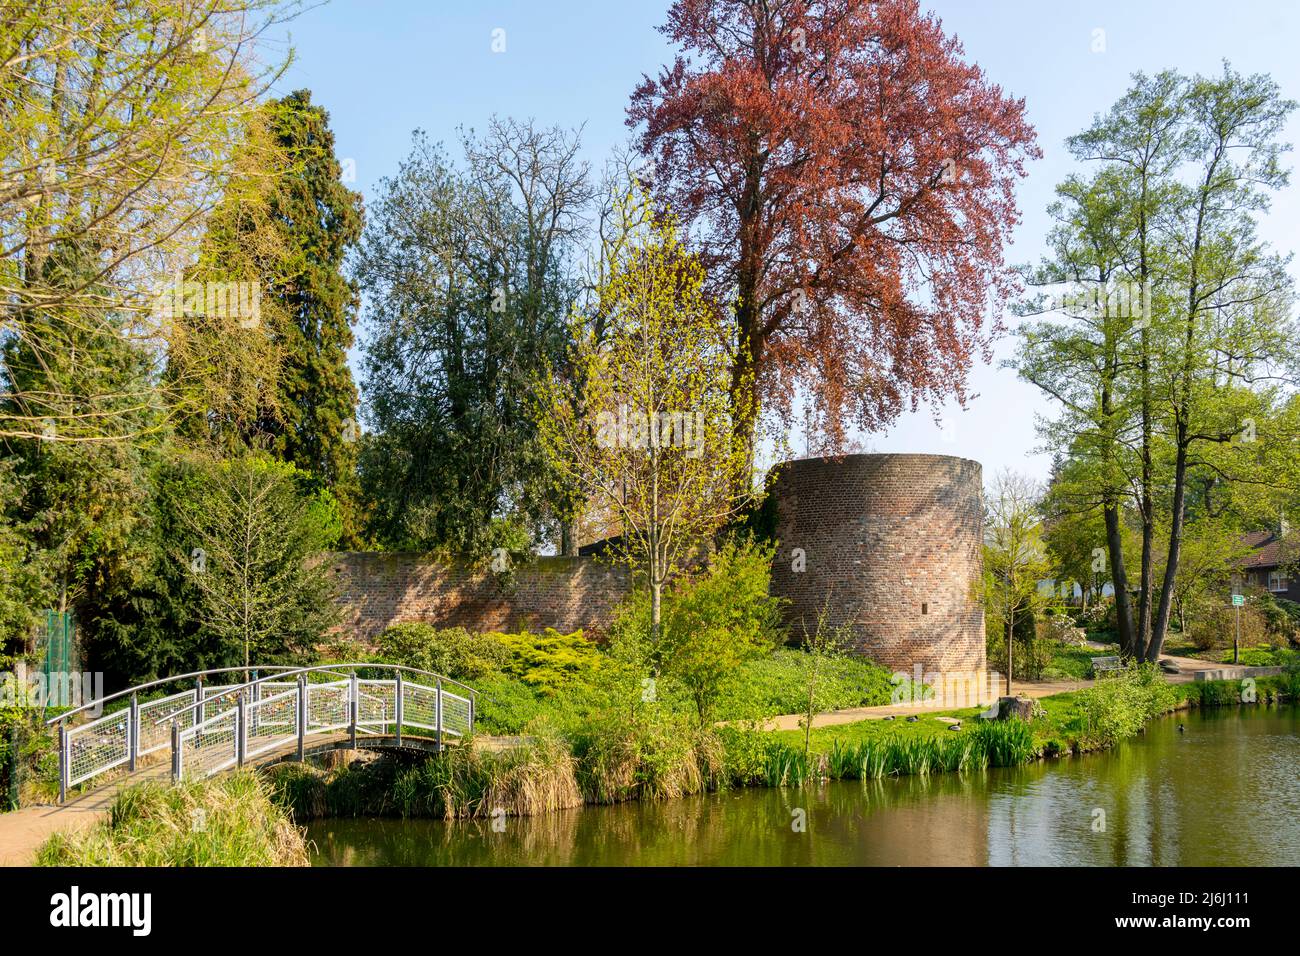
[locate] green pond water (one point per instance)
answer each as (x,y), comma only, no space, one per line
(1225,792)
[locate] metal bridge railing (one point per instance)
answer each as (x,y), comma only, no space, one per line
(215,727)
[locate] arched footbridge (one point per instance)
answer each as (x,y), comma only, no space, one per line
(214,725)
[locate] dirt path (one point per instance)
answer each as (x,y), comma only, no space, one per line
(23,831)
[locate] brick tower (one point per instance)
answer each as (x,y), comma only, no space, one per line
(891,545)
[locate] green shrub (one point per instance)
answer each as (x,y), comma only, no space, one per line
(453,652)
(29,758)
(549,661)
(506,705)
(1117,707)
(1281,617)
(786,766)
(229,820)
(744,750)
(1264,657)
(717,619)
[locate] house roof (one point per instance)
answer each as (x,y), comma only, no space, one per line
(1267,551)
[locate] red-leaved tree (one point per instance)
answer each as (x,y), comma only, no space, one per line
(850,180)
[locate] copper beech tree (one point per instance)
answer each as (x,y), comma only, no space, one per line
(849,177)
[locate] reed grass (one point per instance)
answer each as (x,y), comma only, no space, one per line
(999,744)
(467,783)
(227,821)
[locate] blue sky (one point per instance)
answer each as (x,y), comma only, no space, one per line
(385,67)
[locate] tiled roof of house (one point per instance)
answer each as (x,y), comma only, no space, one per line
(1267,553)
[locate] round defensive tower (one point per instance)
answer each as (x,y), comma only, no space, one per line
(890,546)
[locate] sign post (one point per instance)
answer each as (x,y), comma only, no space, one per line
(1237,601)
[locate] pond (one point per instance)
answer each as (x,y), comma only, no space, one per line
(1226,792)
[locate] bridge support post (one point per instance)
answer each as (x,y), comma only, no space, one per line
(176,752)
(133,734)
(257,696)
(65,762)
(398,709)
(437,709)
(470,731)
(198,699)
(240,717)
(302,714)
(354,707)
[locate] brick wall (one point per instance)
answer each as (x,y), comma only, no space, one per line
(892,541)
(379,589)
(892,547)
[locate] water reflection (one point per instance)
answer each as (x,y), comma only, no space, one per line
(1226,792)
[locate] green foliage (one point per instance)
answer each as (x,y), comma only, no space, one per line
(321,220)
(1281,617)
(29,761)
(715,622)
(506,705)
(248,541)
(466,285)
(21,583)
(1117,707)
(228,820)
(1264,657)
(1006,743)
(452,652)
(770,685)
(656,755)
(549,661)
(72,503)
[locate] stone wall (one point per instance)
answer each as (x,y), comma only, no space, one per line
(379,589)
(891,547)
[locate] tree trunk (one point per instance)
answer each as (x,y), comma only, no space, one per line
(1011,639)
(569,539)
(1119,579)
(1175,546)
(749,333)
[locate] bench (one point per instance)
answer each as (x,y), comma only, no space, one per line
(1101,665)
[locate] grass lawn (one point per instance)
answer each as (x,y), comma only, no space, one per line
(1263,656)
(1073,662)
(864,730)
(1060,727)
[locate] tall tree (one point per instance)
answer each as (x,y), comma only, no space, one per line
(651,437)
(1186,388)
(1015,559)
(226,349)
(249,541)
(321,218)
(1086,363)
(80,490)
(118,121)
(469,275)
(850,178)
